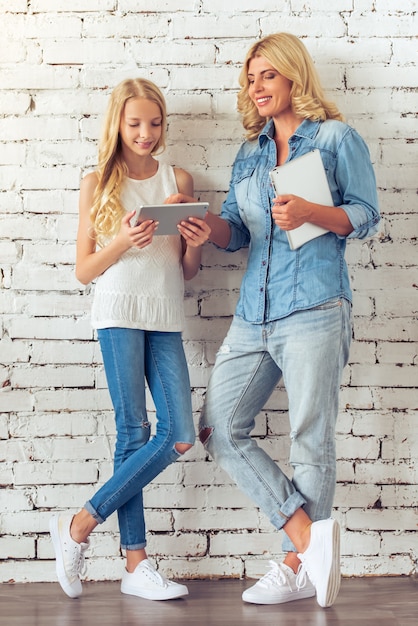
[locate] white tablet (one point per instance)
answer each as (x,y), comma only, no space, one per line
(169,215)
(303,176)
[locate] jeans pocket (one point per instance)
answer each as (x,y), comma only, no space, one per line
(330,304)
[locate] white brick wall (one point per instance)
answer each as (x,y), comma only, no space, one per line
(58,64)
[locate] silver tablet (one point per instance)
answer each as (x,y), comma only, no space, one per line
(169,215)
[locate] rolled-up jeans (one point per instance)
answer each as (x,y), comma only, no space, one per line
(132,357)
(309,349)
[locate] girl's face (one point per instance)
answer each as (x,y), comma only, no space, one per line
(269,90)
(140,126)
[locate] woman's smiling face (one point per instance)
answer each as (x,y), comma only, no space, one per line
(268,89)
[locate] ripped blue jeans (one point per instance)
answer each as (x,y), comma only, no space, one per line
(132,357)
(309,349)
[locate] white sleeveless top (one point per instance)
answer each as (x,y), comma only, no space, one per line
(144,289)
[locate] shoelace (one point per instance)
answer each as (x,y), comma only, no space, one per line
(159,578)
(275,576)
(301,577)
(78,567)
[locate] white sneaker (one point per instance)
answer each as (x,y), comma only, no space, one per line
(69,555)
(322,560)
(279,585)
(147,583)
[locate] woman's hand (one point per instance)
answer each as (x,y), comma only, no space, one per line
(179,198)
(194,231)
(290,211)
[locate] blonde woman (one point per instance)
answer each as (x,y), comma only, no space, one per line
(138,314)
(293,317)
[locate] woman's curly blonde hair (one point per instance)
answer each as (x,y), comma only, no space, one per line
(287,54)
(107,211)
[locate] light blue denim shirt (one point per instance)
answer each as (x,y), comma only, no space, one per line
(278,280)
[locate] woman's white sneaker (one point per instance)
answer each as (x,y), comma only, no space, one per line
(69,555)
(279,585)
(321,560)
(147,583)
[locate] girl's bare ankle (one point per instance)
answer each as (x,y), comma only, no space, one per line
(77,535)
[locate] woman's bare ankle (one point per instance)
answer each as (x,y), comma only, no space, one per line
(305,538)
(298,529)
(292,561)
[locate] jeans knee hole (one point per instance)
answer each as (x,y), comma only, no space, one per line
(182,448)
(205,434)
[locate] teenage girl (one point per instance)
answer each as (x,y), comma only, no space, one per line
(138,315)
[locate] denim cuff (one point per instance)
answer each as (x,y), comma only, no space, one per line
(93,512)
(288,508)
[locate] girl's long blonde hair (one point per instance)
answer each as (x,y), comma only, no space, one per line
(107,211)
(288,55)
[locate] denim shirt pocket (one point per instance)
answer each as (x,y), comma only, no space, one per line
(245,190)
(329,160)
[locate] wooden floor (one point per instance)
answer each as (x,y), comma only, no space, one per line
(362,601)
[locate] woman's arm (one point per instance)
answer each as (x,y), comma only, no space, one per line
(90,263)
(290,212)
(357,211)
(220,231)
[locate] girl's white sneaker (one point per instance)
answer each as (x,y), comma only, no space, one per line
(147,583)
(69,555)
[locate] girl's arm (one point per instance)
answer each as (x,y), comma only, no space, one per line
(194,231)
(90,263)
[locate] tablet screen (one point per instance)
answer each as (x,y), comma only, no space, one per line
(169,215)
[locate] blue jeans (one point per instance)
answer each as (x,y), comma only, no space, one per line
(130,357)
(309,349)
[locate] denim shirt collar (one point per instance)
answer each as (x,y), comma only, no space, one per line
(307,129)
